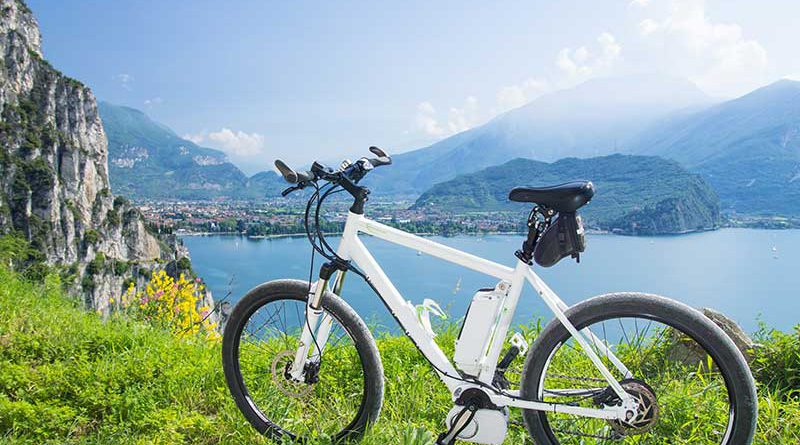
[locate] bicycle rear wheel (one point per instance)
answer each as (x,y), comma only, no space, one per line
(692,384)
(338,398)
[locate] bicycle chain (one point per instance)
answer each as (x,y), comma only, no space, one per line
(578,379)
(574,433)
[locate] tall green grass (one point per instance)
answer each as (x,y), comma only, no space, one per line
(70,377)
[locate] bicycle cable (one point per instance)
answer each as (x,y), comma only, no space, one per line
(333,256)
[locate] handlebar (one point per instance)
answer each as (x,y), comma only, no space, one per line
(352,172)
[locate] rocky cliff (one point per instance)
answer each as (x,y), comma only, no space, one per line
(54,185)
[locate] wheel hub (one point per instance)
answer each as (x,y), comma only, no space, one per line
(647,409)
(281,367)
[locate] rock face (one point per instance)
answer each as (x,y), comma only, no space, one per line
(689,352)
(54,185)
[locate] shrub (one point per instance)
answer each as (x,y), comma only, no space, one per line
(112,218)
(120,268)
(776,362)
(184,264)
(120,201)
(96,265)
(17,254)
(91,237)
(176,304)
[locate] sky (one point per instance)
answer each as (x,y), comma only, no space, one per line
(325,80)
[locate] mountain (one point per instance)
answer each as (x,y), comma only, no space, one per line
(597,117)
(148,160)
(641,195)
(54,186)
(747,148)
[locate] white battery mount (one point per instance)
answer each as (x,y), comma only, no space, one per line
(479,326)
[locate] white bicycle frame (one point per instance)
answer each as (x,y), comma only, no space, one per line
(352,248)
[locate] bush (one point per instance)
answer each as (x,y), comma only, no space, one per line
(91,237)
(96,265)
(184,264)
(120,201)
(176,304)
(17,254)
(776,363)
(112,218)
(121,268)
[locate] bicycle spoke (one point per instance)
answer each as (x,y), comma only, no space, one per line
(267,348)
(667,369)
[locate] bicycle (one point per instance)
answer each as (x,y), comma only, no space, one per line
(302,365)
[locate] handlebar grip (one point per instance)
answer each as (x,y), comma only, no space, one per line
(292,176)
(382,159)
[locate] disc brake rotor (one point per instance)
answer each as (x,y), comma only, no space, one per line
(646,413)
(286,385)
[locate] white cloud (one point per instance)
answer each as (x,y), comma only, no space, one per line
(153,101)
(641,3)
(458,119)
(426,120)
(648,26)
(237,144)
(573,66)
(582,63)
(197,138)
(717,56)
(515,96)
(463,118)
(125,80)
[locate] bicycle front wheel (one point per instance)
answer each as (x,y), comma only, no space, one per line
(692,383)
(340,395)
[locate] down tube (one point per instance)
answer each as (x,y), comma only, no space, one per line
(403,311)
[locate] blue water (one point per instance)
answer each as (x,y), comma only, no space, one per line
(735,271)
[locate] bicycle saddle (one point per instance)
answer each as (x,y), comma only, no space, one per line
(567,197)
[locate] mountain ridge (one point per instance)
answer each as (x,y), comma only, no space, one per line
(641,195)
(591,119)
(748,148)
(148,160)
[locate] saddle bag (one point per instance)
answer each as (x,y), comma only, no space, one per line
(565,237)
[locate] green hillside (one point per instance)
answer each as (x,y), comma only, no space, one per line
(635,194)
(148,160)
(71,377)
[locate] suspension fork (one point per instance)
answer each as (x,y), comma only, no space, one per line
(326,322)
(317,327)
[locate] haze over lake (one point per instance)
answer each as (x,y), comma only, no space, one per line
(746,274)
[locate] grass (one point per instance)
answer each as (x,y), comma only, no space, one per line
(70,377)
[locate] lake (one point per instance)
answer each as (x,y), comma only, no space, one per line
(749,275)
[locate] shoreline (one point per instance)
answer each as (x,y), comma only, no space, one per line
(480,234)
